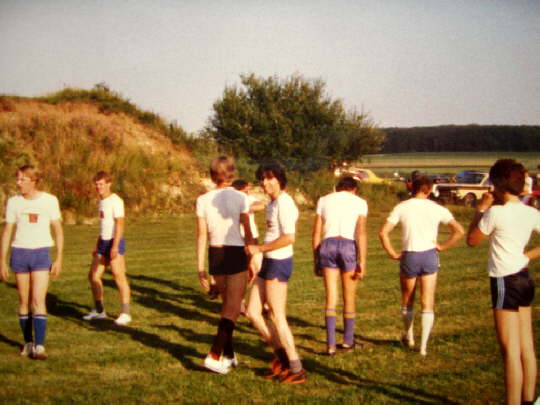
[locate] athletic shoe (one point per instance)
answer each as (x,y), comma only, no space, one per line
(330,351)
(217,366)
(123,319)
(275,369)
(230,362)
(423,352)
(293,378)
(39,353)
(95,315)
(27,349)
(345,347)
(406,341)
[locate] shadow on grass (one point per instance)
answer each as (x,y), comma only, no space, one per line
(399,392)
(8,341)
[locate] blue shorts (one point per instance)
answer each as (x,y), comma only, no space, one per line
(338,253)
(416,264)
(512,291)
(104,247)
(274,268)
(29,260)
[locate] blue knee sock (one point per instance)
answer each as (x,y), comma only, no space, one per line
(348,321)
(40,327)
(330,321)
(25,321)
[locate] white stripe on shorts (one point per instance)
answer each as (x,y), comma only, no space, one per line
(500,293)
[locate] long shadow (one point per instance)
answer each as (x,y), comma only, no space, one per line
(8,341)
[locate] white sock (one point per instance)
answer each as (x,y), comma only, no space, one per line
(407,314)
(427,324)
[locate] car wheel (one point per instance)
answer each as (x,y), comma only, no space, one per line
(469,200)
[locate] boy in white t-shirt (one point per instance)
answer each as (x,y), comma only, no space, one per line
(339,244)
(32,212)
(109,251)
(270,286)
(508,223)
(420,218)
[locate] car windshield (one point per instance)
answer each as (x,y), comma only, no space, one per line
(470,178)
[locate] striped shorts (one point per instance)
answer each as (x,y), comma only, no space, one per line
(512,291)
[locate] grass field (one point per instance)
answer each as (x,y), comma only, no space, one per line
(157,359)
(444,162)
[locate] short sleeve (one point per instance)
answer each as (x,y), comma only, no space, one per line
(537,225)
(394,215)
(319,206)
(287,215)
(199,208)
(55,213)
(486,225)
(118,208)
(446,216)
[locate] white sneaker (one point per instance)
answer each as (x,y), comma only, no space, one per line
(27,349)
(39,353)
(230,362)
(407,341)
(217,366)
(123,319)
(95,315)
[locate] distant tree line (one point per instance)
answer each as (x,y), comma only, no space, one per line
(465,138)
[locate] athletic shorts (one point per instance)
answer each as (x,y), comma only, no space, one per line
(416,264)
(338,253)
(104,247)
(275,268)
(227,260)
(512,291)
(29,260)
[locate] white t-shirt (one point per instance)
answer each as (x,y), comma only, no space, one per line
(340,212)
(281,216)
(110,208)
(33,219)
(420,219)
(509,227)
(222,208)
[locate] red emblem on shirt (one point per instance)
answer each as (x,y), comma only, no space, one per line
(101,214)
(33,218)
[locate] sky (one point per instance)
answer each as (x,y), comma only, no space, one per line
(403,62)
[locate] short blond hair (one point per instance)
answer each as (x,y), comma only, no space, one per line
(222,169)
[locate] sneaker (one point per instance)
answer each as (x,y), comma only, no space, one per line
(27,349)
(95,315)
(217,366)
(330,350)
(123,319)
(423,352)
(39,353)
(275,369)
(293,378)
(230,362)
(345,347)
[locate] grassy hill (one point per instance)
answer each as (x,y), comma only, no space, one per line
(72,134)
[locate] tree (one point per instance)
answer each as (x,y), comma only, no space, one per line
(293,121)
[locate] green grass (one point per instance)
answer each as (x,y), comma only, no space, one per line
(444,162)
(157,359)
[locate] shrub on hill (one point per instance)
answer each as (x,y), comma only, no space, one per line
(70,138)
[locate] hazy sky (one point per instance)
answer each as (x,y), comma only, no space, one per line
(405,62)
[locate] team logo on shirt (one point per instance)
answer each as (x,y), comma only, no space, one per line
(101,214)
(33,218)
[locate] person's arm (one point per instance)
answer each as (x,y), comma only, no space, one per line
(256,206)
(457,233)
(119,225)
(284,240)
(202,235)
(385,240)
(474,235)
(56,267)
(245,223)
(316,233)
(6,239)
(361,243)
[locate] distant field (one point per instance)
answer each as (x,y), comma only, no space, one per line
(444,163)
(157,359)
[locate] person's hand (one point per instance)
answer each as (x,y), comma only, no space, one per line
(203,280)
(486,201)
(396,256)
(359,273)
(252,250)
(4,272)
(56,269)
(114,252)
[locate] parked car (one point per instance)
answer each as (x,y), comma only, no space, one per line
(364,175)
(467,190)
